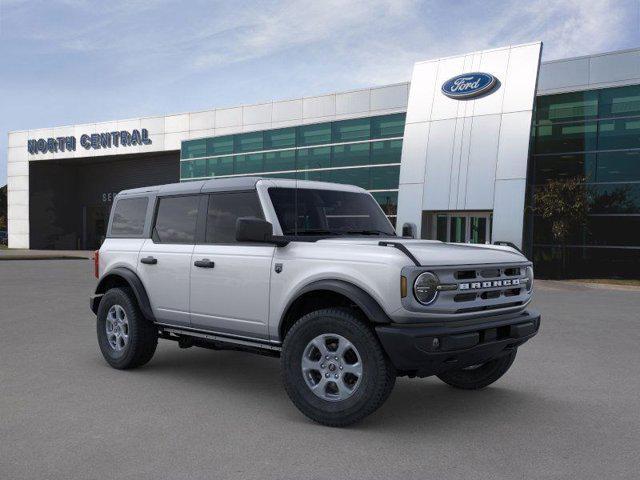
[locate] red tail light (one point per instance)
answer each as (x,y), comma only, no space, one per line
(96,263)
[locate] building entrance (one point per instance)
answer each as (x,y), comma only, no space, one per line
(459,227)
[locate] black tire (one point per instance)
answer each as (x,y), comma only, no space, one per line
(378,374)
(479,377)
(143,335)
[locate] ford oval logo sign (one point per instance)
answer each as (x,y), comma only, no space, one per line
(468,85)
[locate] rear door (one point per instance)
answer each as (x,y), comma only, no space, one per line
(164,263)
(230,280)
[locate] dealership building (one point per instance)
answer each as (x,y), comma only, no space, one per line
(460,153)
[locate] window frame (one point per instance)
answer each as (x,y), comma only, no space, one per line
(203,217)
(152,233)
(143,234)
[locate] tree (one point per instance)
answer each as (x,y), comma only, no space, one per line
(565,204)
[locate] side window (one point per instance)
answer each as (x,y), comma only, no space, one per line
(176,219)
(224,209)
(128,217)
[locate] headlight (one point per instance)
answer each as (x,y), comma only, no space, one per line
(529,275)
(425,288)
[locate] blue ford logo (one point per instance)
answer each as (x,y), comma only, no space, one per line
(468,85)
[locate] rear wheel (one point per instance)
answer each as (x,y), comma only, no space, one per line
(479,376)
(334,369)
(126,338)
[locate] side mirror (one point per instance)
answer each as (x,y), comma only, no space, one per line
(252,229)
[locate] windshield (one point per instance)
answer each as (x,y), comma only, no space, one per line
(306,211)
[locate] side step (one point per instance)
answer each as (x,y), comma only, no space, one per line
(217,340)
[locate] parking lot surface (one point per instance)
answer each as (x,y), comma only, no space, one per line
(568,408)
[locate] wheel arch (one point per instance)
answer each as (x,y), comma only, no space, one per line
(330,293)
(123,277)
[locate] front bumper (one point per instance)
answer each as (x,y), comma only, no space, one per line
(429,350)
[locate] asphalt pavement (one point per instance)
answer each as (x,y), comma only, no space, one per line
(569,408)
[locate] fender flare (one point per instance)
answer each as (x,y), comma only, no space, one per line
(369,306)
(134,282)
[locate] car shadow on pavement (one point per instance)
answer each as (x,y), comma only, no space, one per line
(414,403)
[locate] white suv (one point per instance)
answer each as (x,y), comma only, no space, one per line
(313,273)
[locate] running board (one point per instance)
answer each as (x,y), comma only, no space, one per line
(207,335)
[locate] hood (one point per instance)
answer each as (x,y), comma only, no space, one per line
(436,253)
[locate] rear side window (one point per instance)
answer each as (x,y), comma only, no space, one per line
(176,219)
(128,217)
(224,209)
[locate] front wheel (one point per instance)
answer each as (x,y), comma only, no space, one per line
(334,369)
(479,376)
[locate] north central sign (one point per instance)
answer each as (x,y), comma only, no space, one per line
(93,141)
(469,85)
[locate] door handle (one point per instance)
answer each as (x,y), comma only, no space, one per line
(204,263)
(149,260)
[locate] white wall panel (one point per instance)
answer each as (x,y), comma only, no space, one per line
(414,152)
(154,125)
(481,165)
(494,62)
(287,111)
(423,87)
(352,102)
(228,117)
(257,114)
(614,67)
(409,201)
(514,145)
(18,139)
(17,154)
(438,166)
(392,96)
(508,210)
(314,107)
(520,83)
(202,120)
(17,168)
(176,123)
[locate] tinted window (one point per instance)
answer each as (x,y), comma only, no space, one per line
(224,209)
(327,212)
(176,219)
(128,217)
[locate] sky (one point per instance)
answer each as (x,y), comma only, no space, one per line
(65,62)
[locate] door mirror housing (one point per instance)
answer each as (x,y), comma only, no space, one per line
(252,229)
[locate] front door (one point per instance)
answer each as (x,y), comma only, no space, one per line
(164,262)
(461,227)
(230,280)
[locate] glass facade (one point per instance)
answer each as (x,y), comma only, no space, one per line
(593,136)
(363,151)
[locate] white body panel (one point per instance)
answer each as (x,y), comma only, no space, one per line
(233,296)
(167,282)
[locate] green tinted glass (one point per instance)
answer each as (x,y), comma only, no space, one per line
(194,148)
(620,102)
(248,142)
(348,155)
(388,151)
(350,176)
(571,165)
(352,130)
(220,166)
(573,137)
(220,145)
(250,163)
(618,166)
(566,107)
(388,126)
(289,175)
(280,138)
(284,160)
(314,134)
(383,178)
(186,169)
(319,157)
(614,134)
(317,176)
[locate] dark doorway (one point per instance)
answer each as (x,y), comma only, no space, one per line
(70,200)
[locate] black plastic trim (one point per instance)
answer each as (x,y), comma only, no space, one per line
(136,285)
